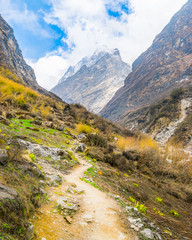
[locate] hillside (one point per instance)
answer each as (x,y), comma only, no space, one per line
(168,120)
(67,173)
(94,80)
(42,140)
(165,66)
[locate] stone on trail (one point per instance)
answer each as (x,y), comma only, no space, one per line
(88,218)
(68,219)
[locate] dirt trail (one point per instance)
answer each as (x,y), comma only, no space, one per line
(99,217)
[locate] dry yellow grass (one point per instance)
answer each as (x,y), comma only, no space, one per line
(18,92)
(138,144)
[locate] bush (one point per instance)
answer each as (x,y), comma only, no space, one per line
(84,128)
(96,140)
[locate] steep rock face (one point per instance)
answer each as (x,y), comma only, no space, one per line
(11,55)
(166,65)
(93,81)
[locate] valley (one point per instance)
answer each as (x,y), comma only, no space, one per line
(109,156)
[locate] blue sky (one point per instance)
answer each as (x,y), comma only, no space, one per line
(54,34)
(35,45)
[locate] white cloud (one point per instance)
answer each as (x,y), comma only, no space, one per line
(49,70)
(88,27)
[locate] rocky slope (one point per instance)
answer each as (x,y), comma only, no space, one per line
(169,120)
(39,141)
(166,65)
(11,55)
(93,81)
(11,58)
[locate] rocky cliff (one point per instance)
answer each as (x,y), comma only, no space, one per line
(11,55)
(93,81)
(11,58)
(166,65)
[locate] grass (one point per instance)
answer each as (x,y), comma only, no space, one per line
(19,93)
(143,143)
(92,183)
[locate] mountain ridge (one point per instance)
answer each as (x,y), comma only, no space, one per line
(93,81)
(162,67)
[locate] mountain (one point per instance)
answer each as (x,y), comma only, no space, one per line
(11,58)
(11,55)
(165,66)
(94,80)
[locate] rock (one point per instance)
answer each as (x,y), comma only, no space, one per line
(7,192)
(30,232)
(68,219)
(136,222)
(135,228)
(42,191)
(61,128)
(55,180)
(88,218)
(75,190)
(147,233)
(81,136)
(43,151)
(158,236)
(3,159)
(49,124)
(68,206)
(80,148)
(37,122)
(4,120)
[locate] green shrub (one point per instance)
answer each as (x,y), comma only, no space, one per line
(174,213)
(159,200)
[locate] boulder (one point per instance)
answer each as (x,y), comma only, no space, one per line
(43,151)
